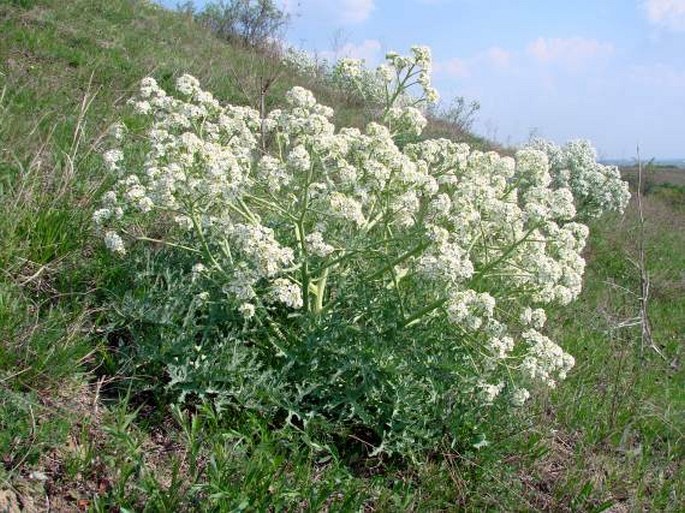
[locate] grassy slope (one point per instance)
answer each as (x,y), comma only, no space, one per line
(610,437)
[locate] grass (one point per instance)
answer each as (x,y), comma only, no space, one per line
(72,436)
(623,408)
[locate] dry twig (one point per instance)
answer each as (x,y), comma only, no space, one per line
(646,338)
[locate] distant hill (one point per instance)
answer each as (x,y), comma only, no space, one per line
(53,53)
(678,163)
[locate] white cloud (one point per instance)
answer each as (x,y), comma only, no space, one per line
(454,68)
(498,58)
(571,52)
(368,50)
(669,14)
(354,11)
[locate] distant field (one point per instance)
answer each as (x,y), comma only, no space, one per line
(657,175)
(666,163)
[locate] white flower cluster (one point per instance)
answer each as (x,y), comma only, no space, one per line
(486,241)
(419,65)
(114,243)
(545,359)
(352,76)
(317,246)
(470,309)
(288,293)
(489,392)
(408,120)
(403,81)
(112,159)
(258,244)
(597,188)
(302,62)
(351,68)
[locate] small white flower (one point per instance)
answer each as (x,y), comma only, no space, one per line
(184,222)
(300,97)
(346,208)
(109,199)
(114,243)
(299,159)
(501,346)
(317,246)
(488,392)
(519,397)
(142,107)
(148,87)
(385,73)
(187,84)
(288,293)
(407,120)
(101,215)
(247,310)
(112,159)
(533,317)
(118,130)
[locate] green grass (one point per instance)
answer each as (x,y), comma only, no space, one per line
(609,439)
(624,406)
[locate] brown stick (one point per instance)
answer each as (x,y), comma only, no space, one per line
(646,337)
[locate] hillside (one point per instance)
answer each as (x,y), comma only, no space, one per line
(85,426)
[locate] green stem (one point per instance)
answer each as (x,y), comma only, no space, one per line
(305,265)
(159,241)
(320,290)
(508,252)
(395,281)
(299,231)
(252,217)
(356,252)
(423,312)
(205,245)
(271,205)
(243,214)
(400,87)
(417,249)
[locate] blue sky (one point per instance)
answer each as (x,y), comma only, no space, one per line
(612,71)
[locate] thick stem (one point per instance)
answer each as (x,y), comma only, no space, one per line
(321,290)
(304,269)
(299,230)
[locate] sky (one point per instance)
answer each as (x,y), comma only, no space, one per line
(611,71)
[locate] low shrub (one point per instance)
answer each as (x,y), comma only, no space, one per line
(355,281)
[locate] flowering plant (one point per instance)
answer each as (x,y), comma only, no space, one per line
(391,84)
(397,290)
